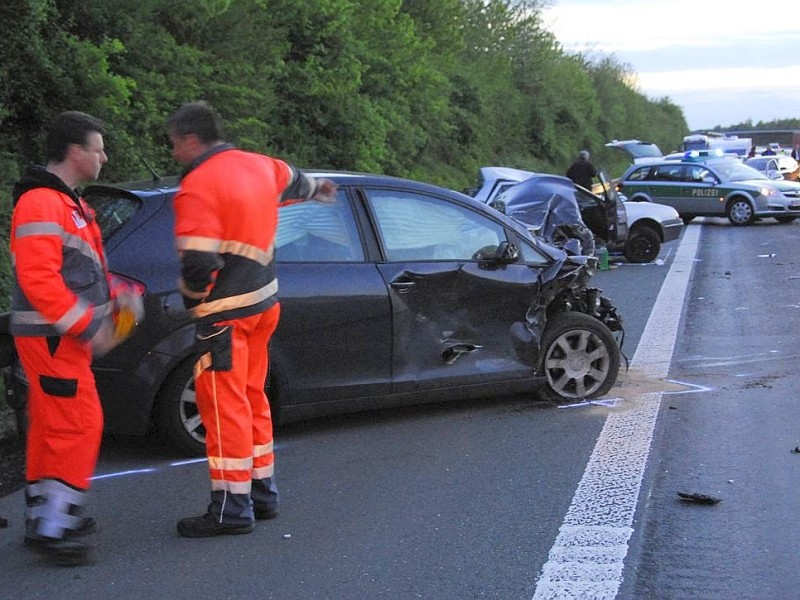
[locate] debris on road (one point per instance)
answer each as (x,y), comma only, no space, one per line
(796,450)
(698,498)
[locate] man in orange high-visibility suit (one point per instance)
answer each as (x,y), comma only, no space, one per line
(226,215)
(62,313)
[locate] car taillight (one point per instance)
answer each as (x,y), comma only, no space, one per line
(120,281)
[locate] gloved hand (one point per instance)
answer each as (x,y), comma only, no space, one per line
(325,192)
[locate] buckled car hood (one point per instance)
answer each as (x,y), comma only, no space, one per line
(558,221)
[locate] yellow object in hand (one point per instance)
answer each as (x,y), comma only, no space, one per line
(124,322)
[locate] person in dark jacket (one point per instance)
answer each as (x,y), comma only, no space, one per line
(582,171)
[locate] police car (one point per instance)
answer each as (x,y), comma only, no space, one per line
(697,185)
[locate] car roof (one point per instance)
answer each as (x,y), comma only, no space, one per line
(677,161)
(170,183)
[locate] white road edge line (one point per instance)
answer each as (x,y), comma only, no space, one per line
(586,560)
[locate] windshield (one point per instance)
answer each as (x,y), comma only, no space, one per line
(733,170)
(642,150)
(758,163)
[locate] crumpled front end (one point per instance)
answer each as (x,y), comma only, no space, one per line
(566,290)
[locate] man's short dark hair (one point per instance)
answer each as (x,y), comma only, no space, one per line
(198,118)
(70,127)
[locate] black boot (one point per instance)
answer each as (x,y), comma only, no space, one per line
(227,514)
(265,498)
(265,513)
(52,523)
(62,552)
(87,526)
(208,525)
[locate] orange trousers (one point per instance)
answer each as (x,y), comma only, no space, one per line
(235,409)
(65,418)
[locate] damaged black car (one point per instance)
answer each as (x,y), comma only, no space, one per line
(398,293)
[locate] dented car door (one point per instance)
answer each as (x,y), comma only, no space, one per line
(460,290)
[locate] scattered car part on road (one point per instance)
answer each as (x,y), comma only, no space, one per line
(698,498)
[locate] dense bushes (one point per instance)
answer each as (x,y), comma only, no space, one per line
(429,90)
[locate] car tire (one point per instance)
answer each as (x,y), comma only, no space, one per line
(784,220)
(179,421)
(643,245)
(580,357)
(740,212)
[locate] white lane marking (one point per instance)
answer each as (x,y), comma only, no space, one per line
(586,560)
(695,388)
(148,469)
(123,473)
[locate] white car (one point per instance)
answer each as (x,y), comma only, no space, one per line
(639,232)
(780,166)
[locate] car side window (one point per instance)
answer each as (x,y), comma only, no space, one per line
(667,173)
(318,232)
(697,173)
(112,209)
(414,227)
(639,174)
(585,199)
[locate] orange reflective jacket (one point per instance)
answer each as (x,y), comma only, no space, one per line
(61,286)
(225,233)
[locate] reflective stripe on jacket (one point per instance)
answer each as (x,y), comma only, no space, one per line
(225,233)
(61,282)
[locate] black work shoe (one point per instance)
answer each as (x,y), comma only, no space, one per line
(265,513)
(207,525)
(62,552)
(87,526)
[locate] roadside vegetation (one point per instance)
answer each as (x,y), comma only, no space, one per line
(414,88)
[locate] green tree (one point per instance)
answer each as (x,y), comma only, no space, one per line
(427,90)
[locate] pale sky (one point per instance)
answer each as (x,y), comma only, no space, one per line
(723,62)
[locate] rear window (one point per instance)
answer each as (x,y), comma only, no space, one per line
(112,208)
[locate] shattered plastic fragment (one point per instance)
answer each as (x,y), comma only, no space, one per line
(698,498)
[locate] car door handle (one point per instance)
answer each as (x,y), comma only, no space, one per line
(402,287)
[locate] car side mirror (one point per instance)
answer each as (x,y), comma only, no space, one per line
(507,253)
